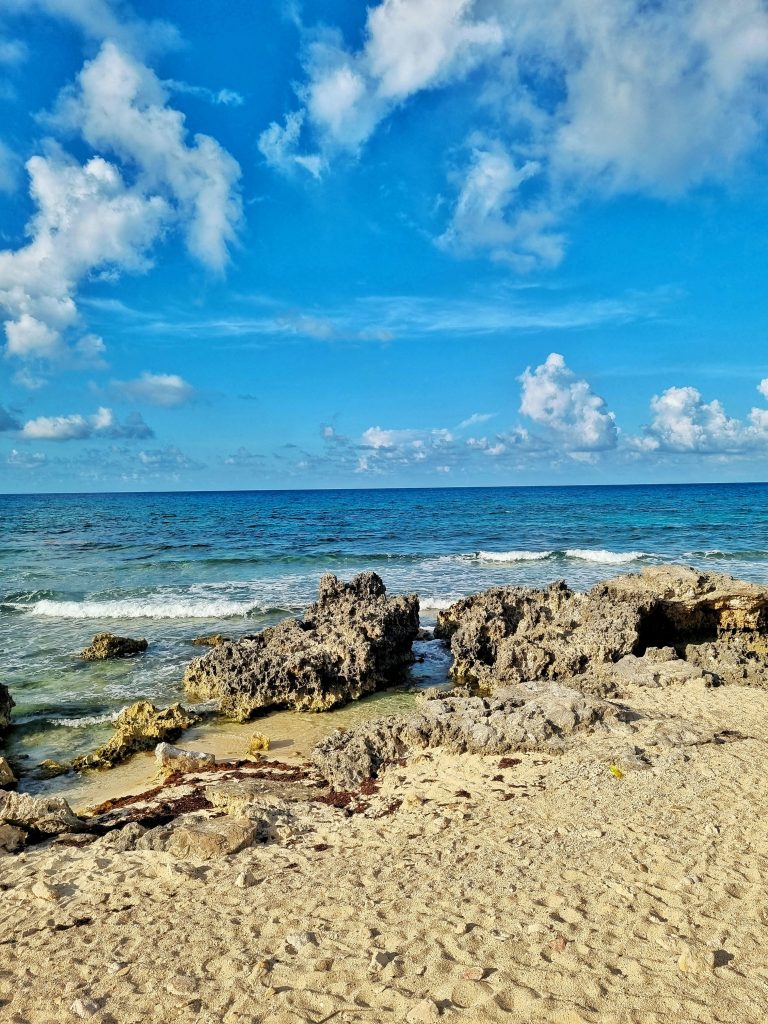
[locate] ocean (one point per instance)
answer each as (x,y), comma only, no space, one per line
(171,566)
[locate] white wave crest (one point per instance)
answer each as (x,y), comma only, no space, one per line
(605,557)
(438,604)
(513,556)
(142,608)
(87,720)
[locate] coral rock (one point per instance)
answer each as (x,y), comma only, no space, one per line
(139,727)
(352,641)
(107,645)
(37,814)
(176,759)
(7,778)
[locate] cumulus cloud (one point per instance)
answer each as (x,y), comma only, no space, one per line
(78,428)
(567,408)
(628,96)
(762,387)
(163,389)
(683,422)
(92,220)
(26,460)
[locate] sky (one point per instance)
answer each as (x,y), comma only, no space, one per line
(422,243)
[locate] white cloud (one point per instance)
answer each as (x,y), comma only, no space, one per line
(218,97)
(555,399)
(78,428)
(683,422)
(12,52)
(89,220)
(26,460)
(163,389)
(475,418)
(762,387)
(626,96)
(119,105)
(167,460)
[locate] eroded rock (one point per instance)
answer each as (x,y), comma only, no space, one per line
(663,615)
(176,759)
(139,727)
(107,645)
(6,703)
(7,778)
(50,815)
(352,641)
(530,717)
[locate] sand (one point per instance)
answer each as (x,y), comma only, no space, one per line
(548,890)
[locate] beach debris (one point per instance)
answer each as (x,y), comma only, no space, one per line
(211,640)
(6,703)
(352,641)
(39,815)
(138,727)
(177,759)
(665,626)
(530,717)
(258,743)
(616,772)
(107,645)
(7,778)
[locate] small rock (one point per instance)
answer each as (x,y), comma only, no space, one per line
(176,759)
(43,891)
(245,880)
(7,778)
(301,941)
(423,1012)
(473,974)
(695,960)
(12,839)
(84,1007)
(107,645)
(182,985)
(50,769)
(559,943)
(381,958)
(258,743)
(210,640)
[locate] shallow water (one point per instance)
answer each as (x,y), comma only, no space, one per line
(171,566)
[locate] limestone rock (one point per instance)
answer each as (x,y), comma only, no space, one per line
(176,759)
(665,614)
(107,645)
(211,640)
(211,839)
(12,839)
(259,742)
(121,840)
(6,703)
(139,727)
(7,778)
(352,641)
(49,815)
(50,769)
(530,717)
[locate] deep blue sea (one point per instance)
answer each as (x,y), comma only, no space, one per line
(172,566)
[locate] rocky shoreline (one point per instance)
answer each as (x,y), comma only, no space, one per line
(572,832)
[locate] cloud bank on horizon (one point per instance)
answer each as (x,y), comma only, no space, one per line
(532,187)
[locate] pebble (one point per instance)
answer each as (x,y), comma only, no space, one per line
(84,1007)
(473,974)
(245,880)
(694,960)
(381,958)
(423,1012)
(182,985)
(43,891)
(301,941)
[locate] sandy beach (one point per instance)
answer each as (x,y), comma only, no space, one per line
(548,890)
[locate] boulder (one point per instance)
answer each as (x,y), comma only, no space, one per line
(7,778)
(509,634)
(530,717)
(12,839)
(50,815)
(176,759)
(210,640)
(6,703)
(107,645)
(258,743)
(352,641)
(139,727)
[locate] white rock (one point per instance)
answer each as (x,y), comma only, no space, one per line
(301,941)
(177,759)
(43,891)
(84,1007)
(245,880)
(423,1012)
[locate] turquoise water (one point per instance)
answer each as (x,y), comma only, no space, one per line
(172,566)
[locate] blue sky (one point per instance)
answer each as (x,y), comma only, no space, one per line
(428,242)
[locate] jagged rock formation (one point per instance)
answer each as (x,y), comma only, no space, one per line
(139,727)
(210,640)
(531,717)
(172,759)
(717,624)
(37,815)
(107,645)
(353,641)
(6,703)
(7,778)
